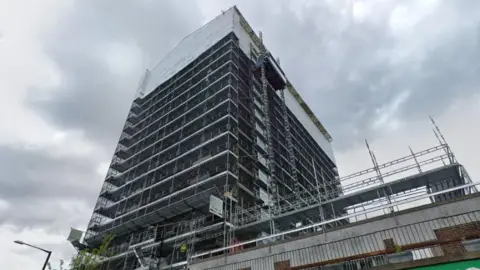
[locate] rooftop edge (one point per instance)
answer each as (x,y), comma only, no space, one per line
(290,87)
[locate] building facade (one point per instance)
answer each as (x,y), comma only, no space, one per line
(215,125)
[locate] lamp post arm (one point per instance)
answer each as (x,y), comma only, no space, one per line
(44,250)
(35,247)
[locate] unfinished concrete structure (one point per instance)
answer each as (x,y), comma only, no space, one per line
(220,153)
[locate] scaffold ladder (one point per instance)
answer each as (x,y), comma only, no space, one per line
(288,136)
(273,192)
(191,242)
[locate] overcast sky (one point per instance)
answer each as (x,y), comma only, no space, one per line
(69,69)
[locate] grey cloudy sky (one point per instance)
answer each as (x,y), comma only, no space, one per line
(68,70)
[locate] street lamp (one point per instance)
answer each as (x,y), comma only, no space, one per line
(44,250)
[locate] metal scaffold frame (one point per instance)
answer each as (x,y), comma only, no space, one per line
(155,170)
(272,192)
(274,197)
(423,162)
(288,135)
(313,227)
(143,246)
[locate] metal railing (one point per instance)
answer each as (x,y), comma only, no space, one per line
(377,260)
(320,224)
(421,232)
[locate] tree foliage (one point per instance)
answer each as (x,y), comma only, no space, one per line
(88,259)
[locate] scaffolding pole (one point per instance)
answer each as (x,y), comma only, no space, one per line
(451,155)
(273,191)
(441,139)
(288,136)
(379,173)
(317,182)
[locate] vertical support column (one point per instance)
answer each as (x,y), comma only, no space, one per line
(419,168)
(127,193)
(236,87)
(273,192)
(438,134)
(108,264)
(252,96)
(178,165)
(226,214)
(354,212)
(125,263)
(467,178)
(333,211)
(379,173)
(440,142)
(326,194)
(175,251)
(140,201)
(380,200)
(288,135)
(416,160)
(179,149)
(191,249)
(451,157)
(317,183)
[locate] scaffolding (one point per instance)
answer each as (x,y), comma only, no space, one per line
(272,183)
(360,246)
(220,128)
(436,182)
(191,139)
(427,176)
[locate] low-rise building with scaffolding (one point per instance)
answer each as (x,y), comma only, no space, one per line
(220,153)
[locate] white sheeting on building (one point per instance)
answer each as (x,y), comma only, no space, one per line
(307,123)
(188,50)
(201,40)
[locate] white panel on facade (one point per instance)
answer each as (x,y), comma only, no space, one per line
(201,40)
(193,46)
(216,206)
(264,196)
(307,123)
(262,159)
(189,49)
(243,36)
(263,177)
(261,143)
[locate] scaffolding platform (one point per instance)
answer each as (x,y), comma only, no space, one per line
(428,178)
(200,199)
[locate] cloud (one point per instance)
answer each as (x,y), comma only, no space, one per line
(376,69)
(354,68)
(104,52)
(38,173)
(392,144)
(21,257)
